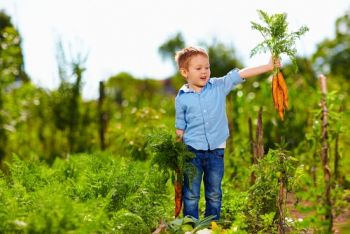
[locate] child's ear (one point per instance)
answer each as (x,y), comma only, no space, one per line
(183,72)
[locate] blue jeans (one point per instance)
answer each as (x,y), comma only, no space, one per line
(210,167)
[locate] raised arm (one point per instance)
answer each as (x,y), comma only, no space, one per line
(257,70)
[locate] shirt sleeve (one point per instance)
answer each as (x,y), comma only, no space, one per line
(180,122)
(230,80)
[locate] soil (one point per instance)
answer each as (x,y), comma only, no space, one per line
(341,220)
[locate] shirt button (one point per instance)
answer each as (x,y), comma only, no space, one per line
(207,123)
(205,111)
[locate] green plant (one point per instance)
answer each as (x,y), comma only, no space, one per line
(174,158)
(170,155)
(128,222)
(262,210)
(277,39)
(188,224)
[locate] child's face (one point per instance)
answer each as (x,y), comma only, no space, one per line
(198,72)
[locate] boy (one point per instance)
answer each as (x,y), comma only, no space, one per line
(201,123)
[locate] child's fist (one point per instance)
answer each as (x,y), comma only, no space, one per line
(274,62)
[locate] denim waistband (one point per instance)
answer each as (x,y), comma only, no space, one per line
(190,148)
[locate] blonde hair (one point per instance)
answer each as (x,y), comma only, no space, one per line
(183,56)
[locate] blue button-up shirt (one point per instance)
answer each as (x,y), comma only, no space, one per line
(202,115)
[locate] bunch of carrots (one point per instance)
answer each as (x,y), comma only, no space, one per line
(279,93)
(173,158)
(278,41)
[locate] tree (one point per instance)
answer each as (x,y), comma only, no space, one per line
(67,100)
(222,58)
(11,69)
(168,49)
(5,21)
(333,55)
(11,56)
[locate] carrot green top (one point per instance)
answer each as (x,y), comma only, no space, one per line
(277,40)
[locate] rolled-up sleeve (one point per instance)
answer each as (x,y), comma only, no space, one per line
(180,122)
(230,80)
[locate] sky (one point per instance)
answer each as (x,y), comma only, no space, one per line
(124,35)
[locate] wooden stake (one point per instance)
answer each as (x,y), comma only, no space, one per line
(282,198)
(253,158)
(336,154)
(257,144)
(324,155)
(259,139)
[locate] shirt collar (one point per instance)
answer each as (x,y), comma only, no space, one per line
(186,88)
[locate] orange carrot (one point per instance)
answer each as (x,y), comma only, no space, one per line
(279,94)
(280,102)
(274,90)
(284,88)
(178,197)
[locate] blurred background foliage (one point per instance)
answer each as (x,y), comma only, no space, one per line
(57,123)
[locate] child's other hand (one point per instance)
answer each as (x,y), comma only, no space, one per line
(274,62)
(179,135)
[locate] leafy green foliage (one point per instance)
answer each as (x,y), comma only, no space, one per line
(222,58)
(88,193)
(168,49)
(170,155)
(263,194)
(11,57)
(277,39)
(11,70)
(128,222)
(255,211)
(188,224)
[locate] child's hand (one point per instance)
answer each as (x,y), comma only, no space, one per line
(179,135)
(274,62)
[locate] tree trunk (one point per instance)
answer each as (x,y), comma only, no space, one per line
(102,117)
